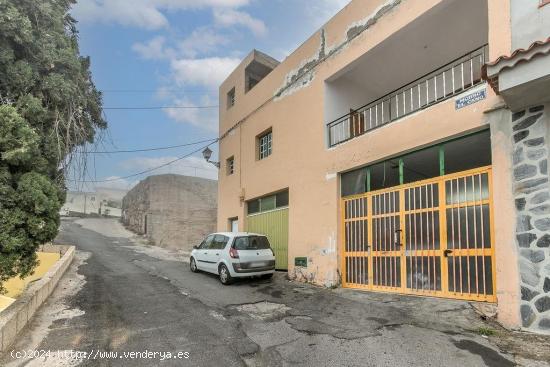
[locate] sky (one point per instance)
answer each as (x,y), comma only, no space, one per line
(151,53)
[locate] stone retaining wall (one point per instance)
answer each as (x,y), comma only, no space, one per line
(532,199)
(14,318)
(173,211)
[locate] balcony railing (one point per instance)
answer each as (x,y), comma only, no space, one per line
(441,84)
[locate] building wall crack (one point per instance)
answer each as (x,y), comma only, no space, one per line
(304,75)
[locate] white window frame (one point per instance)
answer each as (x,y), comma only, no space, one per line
(230,163)
(231,98)
(265,145)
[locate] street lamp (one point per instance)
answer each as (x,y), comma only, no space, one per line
(207,153)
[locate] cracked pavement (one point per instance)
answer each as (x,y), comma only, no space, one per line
(120,296)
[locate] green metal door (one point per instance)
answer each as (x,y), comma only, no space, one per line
(273,224)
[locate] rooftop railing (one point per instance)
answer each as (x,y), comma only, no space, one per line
(437,86)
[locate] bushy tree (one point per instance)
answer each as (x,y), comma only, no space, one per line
(49,107)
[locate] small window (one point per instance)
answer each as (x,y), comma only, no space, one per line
(206,243)
(241,243)
(219,242)
(421,165)
(251,243)
(384,175)
(231,98)
(355,182)
(267,203)
(254,206)
(265,142)
(230,165)
(468,153)
(282,199)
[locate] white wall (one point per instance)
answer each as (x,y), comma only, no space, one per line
(81,202)
(88,203)
(529,22)
(342,95)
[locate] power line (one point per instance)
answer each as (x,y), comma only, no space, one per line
(160,107)
(148,170)
(151,149)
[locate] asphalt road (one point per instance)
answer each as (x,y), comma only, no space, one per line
(117,298)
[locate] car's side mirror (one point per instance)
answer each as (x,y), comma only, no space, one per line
(195,247)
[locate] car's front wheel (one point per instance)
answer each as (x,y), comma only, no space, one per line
(225,276)
(193,265)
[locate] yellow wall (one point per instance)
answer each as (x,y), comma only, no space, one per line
(5,302)
(16,286)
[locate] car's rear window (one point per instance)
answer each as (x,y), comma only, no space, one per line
(251,243)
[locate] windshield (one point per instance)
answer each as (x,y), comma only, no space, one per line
(251,243)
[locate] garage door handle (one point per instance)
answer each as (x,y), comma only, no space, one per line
(446,253)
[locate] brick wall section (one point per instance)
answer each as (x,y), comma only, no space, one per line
(179,210)
(532,199)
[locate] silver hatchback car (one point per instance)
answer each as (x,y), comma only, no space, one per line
(234,255)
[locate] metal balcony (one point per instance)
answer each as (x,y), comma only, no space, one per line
(437,86)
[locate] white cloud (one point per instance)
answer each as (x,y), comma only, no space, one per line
(141,13)
(190,166)
(202,41)
(205,73)
(206,119)
(197,4)
(138,13)
(231,17)
(322,10)
(208,72)
(154,49)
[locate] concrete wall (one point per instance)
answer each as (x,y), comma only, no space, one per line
(504,219)
(174,211)
(14,318)
(530,22)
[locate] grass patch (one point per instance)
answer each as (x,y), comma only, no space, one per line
(486,331)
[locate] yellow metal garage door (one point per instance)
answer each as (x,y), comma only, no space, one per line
(273,224)
(433,237)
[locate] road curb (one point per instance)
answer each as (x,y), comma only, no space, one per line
(14,318)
